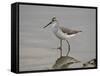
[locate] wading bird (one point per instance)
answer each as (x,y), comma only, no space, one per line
(62,33)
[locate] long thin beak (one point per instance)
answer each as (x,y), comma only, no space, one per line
(47,24)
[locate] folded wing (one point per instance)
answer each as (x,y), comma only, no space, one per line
(69,31)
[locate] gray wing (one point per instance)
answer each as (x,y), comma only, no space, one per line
(68,31)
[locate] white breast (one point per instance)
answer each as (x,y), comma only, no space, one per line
(62,35)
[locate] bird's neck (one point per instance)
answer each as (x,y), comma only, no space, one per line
(55,27)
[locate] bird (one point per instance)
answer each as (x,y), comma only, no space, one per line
(61,33)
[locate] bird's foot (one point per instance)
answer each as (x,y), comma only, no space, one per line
(59,48)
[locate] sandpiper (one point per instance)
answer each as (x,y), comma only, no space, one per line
(62,33)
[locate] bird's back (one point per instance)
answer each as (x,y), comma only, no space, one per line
(68,31)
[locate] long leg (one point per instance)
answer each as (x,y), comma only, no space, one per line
(60,47)
(68,47)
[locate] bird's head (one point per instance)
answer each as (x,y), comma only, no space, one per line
(52,20)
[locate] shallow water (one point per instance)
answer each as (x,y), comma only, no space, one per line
(41,58)
(37,58)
